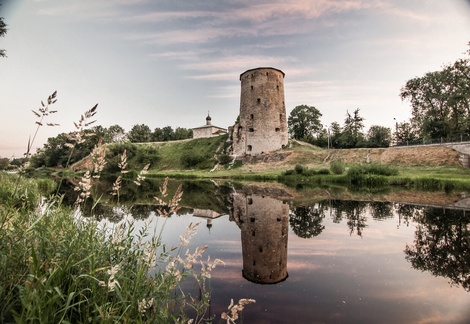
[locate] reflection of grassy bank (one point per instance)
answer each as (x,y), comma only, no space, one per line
(433,168)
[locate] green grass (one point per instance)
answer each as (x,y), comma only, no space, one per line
(60,268)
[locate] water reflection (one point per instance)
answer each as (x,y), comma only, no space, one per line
(264,224)
(442,244)
(441,240)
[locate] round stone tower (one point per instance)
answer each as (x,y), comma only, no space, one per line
(263,123)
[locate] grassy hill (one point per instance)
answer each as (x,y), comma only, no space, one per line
(207,158)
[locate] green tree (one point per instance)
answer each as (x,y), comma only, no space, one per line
(352,135)
(440,101)
(335,135)
(379,136)
(3,31)
(182,133)
(115,133)
(167,133)
(304,122)
(404,133)
(140,134)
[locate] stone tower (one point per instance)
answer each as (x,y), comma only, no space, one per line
(263,124)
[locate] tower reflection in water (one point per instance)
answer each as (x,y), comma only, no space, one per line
(264,224)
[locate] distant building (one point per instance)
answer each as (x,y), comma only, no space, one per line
(262,126)
(208,130)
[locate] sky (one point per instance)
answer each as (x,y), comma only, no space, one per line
(168,62)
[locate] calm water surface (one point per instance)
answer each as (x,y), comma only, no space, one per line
(332,261)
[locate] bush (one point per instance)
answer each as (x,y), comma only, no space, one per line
(300,169)
(192,159)
(337,167)
(225,159)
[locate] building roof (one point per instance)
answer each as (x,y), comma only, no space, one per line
(260,68)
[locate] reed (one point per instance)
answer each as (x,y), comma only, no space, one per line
(59,267)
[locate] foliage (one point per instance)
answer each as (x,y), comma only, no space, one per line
(441,245)
(304,122)
(306,221)
(351,135)
(3,31)
(404,133)
(57,268)
(140,134)
(440,101)
(299,169)
(379,136)
(337,167)
(224,159)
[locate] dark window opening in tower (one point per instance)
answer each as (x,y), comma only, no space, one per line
(250,148)
(250,201)
(252,219)
(258,101)
(278,219)
(254,262)
(251,87)
(278,129)
(267,73)
(260,249)
(280,117)
(253,233)
(277,87)
(251,130)
(252,116)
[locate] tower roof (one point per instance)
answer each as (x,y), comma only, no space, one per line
(261,68)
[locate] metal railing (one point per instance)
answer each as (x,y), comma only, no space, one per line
(435,141)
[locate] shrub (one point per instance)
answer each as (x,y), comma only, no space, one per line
(299,169)
(337,167)
(225,159)
(191,159)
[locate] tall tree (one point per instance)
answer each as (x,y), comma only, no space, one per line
(304,122)
(335,135)
(352,134)
(440,101)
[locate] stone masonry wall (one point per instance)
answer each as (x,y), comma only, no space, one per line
(263,123)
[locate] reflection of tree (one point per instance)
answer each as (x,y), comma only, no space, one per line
(406,213)
(442,245)
(353,211)
(306,221)
(381,210)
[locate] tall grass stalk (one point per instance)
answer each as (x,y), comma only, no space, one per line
(59,267)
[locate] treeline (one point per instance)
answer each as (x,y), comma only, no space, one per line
(440,109)
(304,124)
(57,151)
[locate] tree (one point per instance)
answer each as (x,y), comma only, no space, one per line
(404,133)
(440,101)
(140,134)
(379,136)
(352,135)
(182,133)
(114,134)
(3,31)
(304,122)
(335,135)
